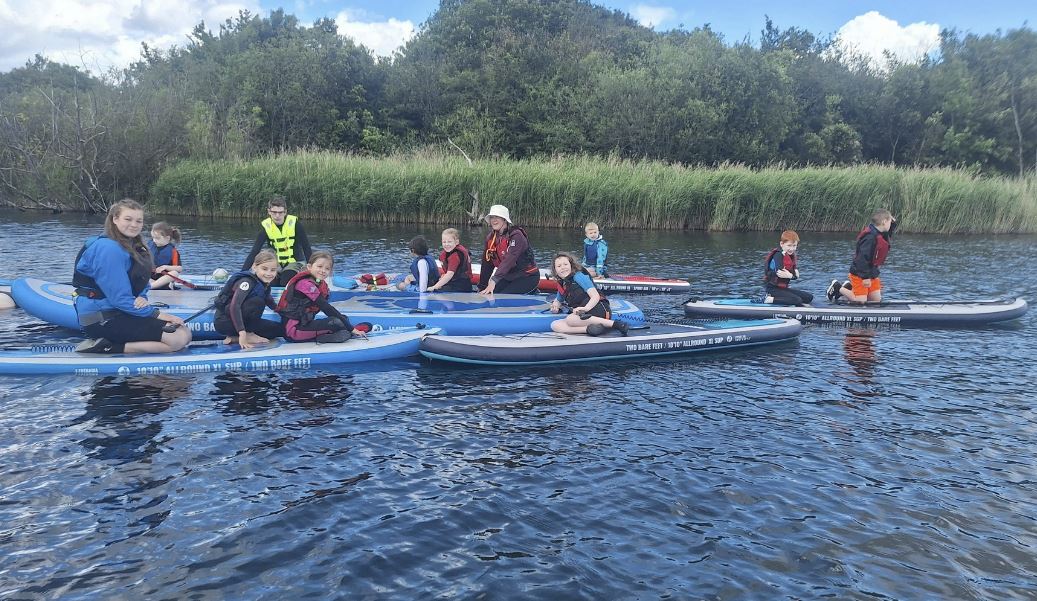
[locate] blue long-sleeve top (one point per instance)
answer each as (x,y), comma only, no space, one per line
(109,265)
(595,254)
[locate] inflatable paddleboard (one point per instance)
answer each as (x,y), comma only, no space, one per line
(6,300)
(615,283)
(657,340)
(907,313)
(456,313)
(277,355)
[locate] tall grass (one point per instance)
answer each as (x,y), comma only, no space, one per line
(427,187)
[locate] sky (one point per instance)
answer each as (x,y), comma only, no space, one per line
(101,34)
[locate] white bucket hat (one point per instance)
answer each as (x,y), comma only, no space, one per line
(500,211)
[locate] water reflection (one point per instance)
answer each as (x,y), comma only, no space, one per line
(256,394)
(121,413)
(859,348)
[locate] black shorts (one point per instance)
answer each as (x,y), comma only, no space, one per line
(125,328)
(601,310)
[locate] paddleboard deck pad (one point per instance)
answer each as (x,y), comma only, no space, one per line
(658,339)
(907,313)
(278,355)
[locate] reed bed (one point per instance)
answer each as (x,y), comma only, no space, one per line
(429,187)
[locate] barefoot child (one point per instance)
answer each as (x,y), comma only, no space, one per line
(873,243)
(165,255)
(457,265)
(240,304)
(576,289)
(780,270)
(306,295)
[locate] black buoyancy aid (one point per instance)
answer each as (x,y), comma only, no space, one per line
(881,245)
(258,288)
(139,275)
(496,246)
(297,306)
(787,262)
(462,280)
(573,295)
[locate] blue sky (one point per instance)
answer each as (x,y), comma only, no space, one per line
(99,34)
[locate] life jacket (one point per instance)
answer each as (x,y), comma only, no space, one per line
(574,295)
(282,238)
(166,255)
(881,245)
(462,280)
(140,275)
(590,253)
(227,292)
(373,280)
(497,246)
(787,262)
(433,269)
(299,307)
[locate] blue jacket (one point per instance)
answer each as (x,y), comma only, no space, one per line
(595,254)
(109,265)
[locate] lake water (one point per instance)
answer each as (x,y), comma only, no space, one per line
(850,464)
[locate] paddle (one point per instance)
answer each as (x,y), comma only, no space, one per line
(171,327)
(190,285)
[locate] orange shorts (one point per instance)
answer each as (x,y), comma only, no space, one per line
(859,289)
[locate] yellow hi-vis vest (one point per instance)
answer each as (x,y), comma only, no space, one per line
(282,239)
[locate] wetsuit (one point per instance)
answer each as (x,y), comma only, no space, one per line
(240,305)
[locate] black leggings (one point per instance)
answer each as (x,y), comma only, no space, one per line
(252,313)
(524,285)
(789,296)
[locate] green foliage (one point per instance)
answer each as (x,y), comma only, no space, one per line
(566,191)
(518,79)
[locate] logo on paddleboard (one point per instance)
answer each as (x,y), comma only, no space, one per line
(124,371)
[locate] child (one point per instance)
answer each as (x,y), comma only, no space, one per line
(423,268)
(240,304)
(307,294)
(781,269)
(457,265)
(284,233)
(577,290)
(873,243)
(166,257)
(595,251)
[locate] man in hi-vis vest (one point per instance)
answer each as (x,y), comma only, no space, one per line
(284,233)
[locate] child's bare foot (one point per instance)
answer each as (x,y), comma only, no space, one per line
(230,340)
(257,339)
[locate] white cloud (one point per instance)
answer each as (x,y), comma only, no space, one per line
(871,34)
(652,16)
(99,34)
(381,37)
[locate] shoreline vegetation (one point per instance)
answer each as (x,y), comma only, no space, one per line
(434,188)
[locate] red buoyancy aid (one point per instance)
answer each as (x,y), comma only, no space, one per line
(787,262)
(299,307)
(497,246)
(881,245)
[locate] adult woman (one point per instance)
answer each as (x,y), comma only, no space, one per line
(112,276)
(508,264)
